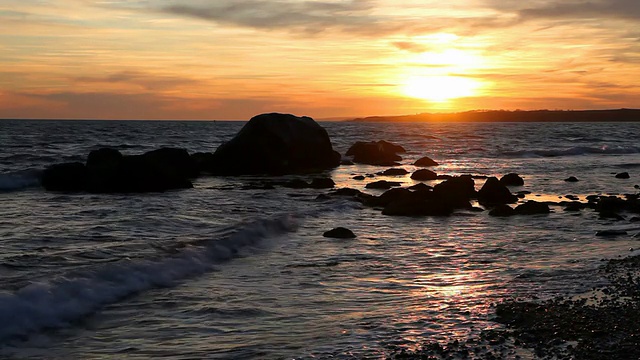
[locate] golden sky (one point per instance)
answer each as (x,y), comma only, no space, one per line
(232,59)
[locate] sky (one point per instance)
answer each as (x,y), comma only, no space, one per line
(233,59)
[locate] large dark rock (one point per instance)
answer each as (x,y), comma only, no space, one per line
(203,161)
(512,179)
(275,144)
(140,174)
(493,193)
(623,175)
(381,153)
(65,177)
(392,195)
(456,191)
(108,171)
(425,162)
(424,175)
(174,160)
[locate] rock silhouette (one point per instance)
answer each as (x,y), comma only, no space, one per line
(381,153)
(275,144)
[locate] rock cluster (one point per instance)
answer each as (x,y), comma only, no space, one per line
(268,144)
(108,171)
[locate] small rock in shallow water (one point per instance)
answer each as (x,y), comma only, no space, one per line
(425,161)
(339,233)
(611,233)
(424,175)
(571,179)
(322,183)
(358,177)
(512,179)
(531,208)
(394,172)
(382,184)
(502,211)
(623,175)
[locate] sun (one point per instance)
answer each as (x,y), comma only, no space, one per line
(439,88)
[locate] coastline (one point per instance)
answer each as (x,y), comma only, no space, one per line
(613,115)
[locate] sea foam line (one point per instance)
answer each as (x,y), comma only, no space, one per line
(19,180)
(56,303)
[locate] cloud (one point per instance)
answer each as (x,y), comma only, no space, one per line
(352,17)
(142,80)
(115,105)
(308,16)
(570,9)
(593,9)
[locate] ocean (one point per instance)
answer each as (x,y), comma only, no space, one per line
(227,270)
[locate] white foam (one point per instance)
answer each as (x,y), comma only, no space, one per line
(574,151)
(55,303)
(19,180)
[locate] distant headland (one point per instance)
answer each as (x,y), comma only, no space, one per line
(613,115)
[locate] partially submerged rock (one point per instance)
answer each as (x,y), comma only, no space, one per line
(417,207)
(376,153)
(512,179)
(108,171)
(425,162)
(424,175)
(623,175)
(382,184)
(493,192)
(65,177)
(339,233)
(532,208)
(394,172)
(502,210)
(275,144)
(571,179)
(322,183)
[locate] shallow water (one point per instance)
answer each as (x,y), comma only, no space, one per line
(221,272)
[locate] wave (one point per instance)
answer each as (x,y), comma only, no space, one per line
(19,180)
(58,302)
(573,151)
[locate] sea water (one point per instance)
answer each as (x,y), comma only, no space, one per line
(225,271)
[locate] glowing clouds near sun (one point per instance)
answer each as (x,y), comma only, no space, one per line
(439,88)
(443,74)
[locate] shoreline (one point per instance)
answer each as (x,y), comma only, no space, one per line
(603,323)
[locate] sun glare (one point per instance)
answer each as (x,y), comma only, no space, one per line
(439,88)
